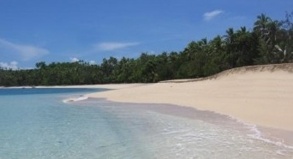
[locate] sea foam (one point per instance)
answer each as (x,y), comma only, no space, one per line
(80,98)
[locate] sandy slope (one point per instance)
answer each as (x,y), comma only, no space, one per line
(259,94)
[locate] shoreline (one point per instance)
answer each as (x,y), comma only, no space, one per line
(261,95)
(266,116)
(274,136)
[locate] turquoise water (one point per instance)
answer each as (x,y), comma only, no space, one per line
(37,124)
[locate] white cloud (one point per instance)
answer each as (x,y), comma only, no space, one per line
(211,15)
(92,62)
(110,46)
(12,65)
(74,59)
(27,52)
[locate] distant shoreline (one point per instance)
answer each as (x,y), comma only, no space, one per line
(106,86)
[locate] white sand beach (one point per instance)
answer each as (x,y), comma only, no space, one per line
(261,95)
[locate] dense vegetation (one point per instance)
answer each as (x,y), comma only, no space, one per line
(270,41)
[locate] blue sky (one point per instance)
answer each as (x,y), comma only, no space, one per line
(90,30)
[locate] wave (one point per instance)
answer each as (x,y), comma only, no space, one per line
(80,98)
(258,135)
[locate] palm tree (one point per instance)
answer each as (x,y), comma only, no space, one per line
(268,31)
(217,44)
(245,46)
(261,25)
(230,36)
(230,45)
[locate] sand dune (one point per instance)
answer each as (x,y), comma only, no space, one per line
(262,95)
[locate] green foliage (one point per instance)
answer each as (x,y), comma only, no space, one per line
(270,41)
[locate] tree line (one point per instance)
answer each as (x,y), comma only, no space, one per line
(269,42)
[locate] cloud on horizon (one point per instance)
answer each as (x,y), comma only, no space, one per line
(27,52)
(92,62)
(74,59)
(111,46)
(12,65)
(211,15)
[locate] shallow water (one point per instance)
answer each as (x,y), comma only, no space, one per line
(41,126)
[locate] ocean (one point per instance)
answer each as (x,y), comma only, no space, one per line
(41,124)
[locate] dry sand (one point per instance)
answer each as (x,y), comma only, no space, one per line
(261,95)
